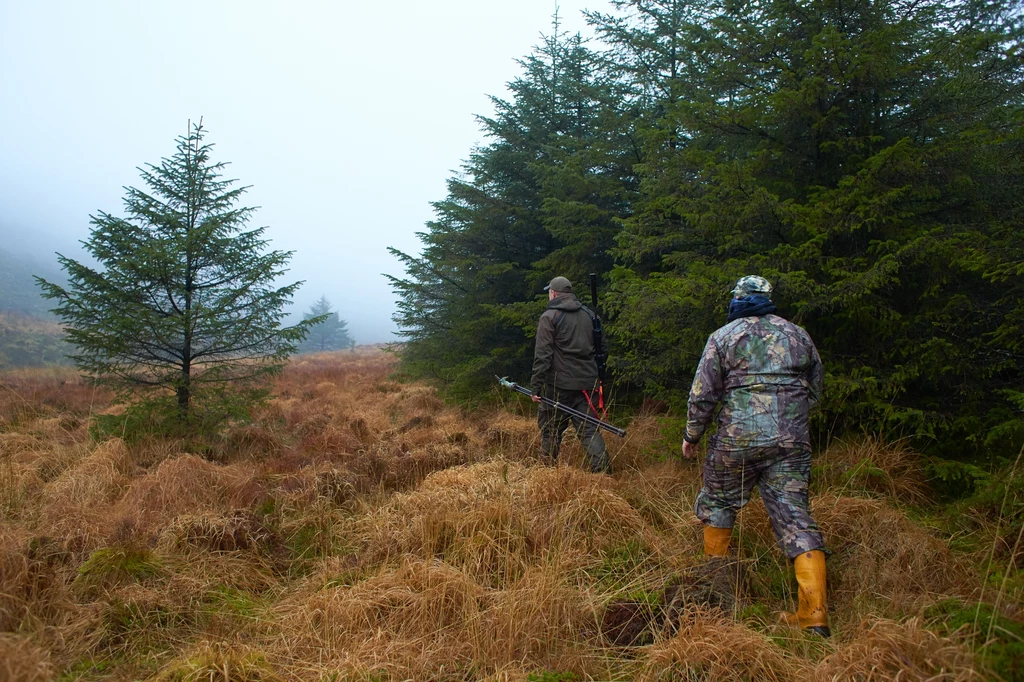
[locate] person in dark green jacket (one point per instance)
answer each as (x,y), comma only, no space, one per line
(565,369)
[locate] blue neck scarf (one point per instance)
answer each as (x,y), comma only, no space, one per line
(750,306)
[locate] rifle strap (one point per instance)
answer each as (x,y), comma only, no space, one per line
(600,402)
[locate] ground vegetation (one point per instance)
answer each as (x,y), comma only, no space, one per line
(361,528)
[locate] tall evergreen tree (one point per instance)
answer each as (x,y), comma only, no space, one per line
(542,198)
(327,331)
(182,315)
(867,158)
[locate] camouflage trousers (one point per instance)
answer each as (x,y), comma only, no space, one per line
(553,424)
(781,475)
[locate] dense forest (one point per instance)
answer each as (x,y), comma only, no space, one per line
(867,157)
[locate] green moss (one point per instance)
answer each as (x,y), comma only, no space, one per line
(213,663)
(547,676)
(620,565)
(236,602)
(756,614)
(141,625)
(768,572)
(111,566)
(1013,584)
(648,597)
(308,542)
(86,669)
(313,538)
(267,508)
(997,640)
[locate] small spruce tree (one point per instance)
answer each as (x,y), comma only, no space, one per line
(181,314)
(330,333)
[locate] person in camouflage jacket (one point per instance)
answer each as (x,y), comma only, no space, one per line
(765,373)
(565,369)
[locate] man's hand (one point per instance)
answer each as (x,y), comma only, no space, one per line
(535,398)
(689,450)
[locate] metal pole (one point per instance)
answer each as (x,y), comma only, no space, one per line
(590,419)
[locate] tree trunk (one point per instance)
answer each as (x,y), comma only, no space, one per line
(184,395)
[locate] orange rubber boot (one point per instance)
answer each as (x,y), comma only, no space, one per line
(716,541)
(812,612)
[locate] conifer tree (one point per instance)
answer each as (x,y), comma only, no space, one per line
(866,158)
(328,331)
(181,315)
(542,198)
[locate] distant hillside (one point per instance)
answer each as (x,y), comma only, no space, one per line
(30,341)
(18,290)
(29,335)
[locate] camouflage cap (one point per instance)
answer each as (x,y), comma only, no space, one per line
(752,284)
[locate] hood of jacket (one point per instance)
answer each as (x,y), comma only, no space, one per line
(567,302)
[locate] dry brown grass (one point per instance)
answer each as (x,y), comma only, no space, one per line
(240,530)
(27,395)
(23,660)
(710,646)
(223,662)
(496,520)
(361,528)
(886,558)
(75,503)
(881,562)
(884,650)
(427,619)
(869,467)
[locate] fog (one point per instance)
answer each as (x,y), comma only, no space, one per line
(347,118)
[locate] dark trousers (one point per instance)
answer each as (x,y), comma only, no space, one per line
(554,422)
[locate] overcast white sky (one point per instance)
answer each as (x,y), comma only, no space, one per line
(346,117)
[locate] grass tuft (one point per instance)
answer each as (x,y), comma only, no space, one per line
(217,661)
(114,566)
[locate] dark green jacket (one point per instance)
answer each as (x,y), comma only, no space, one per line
(564,353)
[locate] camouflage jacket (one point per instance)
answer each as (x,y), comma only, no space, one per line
(767,375)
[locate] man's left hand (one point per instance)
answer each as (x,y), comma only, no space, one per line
(535,398)
(689,450)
